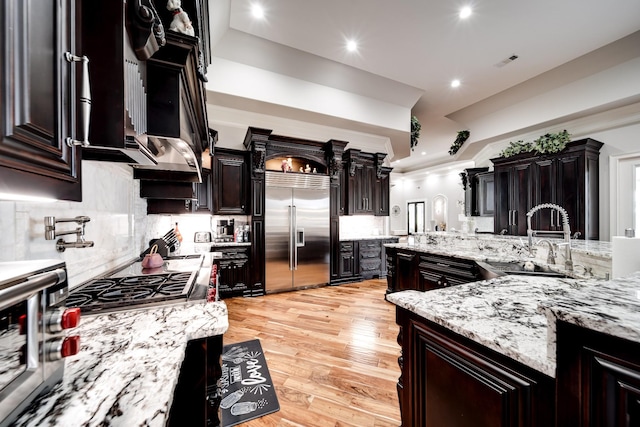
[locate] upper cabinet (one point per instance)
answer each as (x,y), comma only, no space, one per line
(148,96)
(365,184)
(568,179)
(40,103)
(231,182)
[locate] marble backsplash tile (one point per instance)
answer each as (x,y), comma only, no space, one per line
(110,197)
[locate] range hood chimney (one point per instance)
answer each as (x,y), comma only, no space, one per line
(177,131)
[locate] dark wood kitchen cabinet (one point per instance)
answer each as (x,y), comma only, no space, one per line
(370,258)
(40,104)
(449,380)
(197,395)
(415,270)
(231,182)
(598,379)
(365,184)
(347,266)
(471,186)
(568,179)
(439,271)
(170,197)
(233,270)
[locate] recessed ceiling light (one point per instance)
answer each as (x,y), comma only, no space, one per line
(257,11)
(352,45)
(465,12)
(423,153)
(455,83)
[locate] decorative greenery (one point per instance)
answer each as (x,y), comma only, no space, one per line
(415,131)
(548,143)
(463,135)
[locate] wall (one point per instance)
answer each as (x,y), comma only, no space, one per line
(620,134)
(110,197)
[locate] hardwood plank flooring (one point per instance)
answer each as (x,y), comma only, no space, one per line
(331,351)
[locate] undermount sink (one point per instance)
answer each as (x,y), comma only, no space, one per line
(490,270)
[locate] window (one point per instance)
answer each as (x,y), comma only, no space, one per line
(415,217)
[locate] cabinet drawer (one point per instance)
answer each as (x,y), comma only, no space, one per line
(346,246)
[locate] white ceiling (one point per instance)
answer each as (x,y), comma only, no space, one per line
(410,50)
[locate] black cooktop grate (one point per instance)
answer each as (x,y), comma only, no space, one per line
(108,294)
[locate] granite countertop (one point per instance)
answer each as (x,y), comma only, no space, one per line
(127,367)
(516,315)
(372,237)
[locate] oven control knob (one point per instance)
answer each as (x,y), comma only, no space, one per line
(60,319)
(62,347)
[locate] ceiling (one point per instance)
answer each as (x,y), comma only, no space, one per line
(409,51)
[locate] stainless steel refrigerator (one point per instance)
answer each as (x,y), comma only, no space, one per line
(297,243)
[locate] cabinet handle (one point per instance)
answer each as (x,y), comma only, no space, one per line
(85,100)
(515,217)
(509,217)
(552,222)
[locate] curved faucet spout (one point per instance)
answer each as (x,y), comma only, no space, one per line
(566,229)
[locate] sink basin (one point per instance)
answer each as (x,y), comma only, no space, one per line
(489,270)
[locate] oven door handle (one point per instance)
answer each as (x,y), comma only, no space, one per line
(33,284)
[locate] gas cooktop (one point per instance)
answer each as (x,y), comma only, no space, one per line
(135,286)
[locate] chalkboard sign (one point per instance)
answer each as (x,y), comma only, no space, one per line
(247,389)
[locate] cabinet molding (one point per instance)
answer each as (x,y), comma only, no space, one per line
(39,106)
(569,179)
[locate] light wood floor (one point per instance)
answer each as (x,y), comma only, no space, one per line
(331,351)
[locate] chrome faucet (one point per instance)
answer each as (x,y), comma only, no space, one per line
(50,232)
(551,255)
(566,230)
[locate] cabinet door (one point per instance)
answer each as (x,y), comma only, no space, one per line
(520,198)
(598,379)
(38,105)
(405,272)
(230,185)
(544,191)
(347,260)
(502,207)
(570,188)
(381,195)
(452,384)
(203,194)
(485,195)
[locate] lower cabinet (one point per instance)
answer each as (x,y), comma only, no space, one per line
(233,271)
(448,380)
(197,398)
(362,260)
(370,258)
(413,270)
(347,268)
(436,271)
(598,379)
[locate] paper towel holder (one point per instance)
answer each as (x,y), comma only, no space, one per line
(629,232)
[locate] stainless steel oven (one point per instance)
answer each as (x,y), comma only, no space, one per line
(33,341)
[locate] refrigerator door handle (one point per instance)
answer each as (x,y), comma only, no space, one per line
(293,237)
(291,249)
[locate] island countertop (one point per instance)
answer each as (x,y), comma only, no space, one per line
(128,366)
(516,315)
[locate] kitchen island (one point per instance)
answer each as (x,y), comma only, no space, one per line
(496,340)
(128,366)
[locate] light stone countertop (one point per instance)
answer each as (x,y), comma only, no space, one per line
(516,315)
(127,367)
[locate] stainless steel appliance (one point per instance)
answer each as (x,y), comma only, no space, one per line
(296,230)
(32,339)
(180,278)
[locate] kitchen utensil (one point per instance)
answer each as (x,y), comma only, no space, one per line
(163,248)
(153,259)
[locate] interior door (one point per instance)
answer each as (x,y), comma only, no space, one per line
(312,258)
(278,205)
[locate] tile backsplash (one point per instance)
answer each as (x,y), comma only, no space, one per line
(110,197)
(358,226)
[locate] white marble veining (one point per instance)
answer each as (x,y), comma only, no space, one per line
(591,259)
(127,367)
(515,315)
